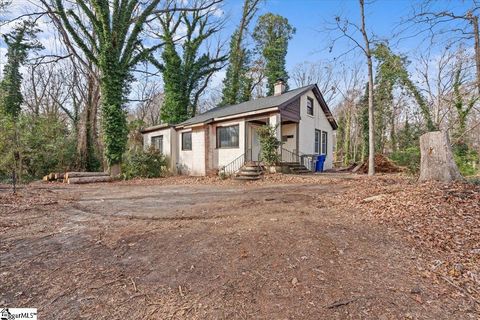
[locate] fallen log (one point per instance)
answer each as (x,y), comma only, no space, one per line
(69,175)
(59,176)
(82,180)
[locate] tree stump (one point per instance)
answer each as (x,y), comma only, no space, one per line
(437,162)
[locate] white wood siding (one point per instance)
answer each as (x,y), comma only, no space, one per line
(169,143)
(309,123)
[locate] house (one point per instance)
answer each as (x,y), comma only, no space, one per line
(226,136)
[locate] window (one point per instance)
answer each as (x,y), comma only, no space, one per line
(157,143)
(310,106)
(318,138)
(320,142)
(227,137)
(324,142)
(187,140)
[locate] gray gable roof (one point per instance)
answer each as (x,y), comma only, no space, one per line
(247,106)
(259,104)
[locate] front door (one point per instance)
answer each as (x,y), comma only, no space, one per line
(253,143)
(256,148)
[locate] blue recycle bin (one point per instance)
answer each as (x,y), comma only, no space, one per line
(320,162)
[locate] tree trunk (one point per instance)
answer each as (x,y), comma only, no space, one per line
(89,180)
(437,161)
(371,122)
(69,175)
(477,49)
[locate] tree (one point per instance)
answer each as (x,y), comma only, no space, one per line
(371,108)
(271,35)
(186,74)
(110,38)
(468,27)
(323,74)
(237,84)
(19,42)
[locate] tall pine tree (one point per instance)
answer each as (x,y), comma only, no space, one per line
(271,35)
(237,83)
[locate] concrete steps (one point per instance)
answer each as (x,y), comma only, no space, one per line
(296,168)
(249,172)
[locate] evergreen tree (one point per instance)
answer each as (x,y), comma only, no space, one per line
(20,41)
(271,35)
(237,84)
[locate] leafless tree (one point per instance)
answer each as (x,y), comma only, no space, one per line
(323,74)
(357,34)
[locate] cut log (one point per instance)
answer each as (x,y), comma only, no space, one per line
(82,180)
(69,175)
(59,176)
(437,162)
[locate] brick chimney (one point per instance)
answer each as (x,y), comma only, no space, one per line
(279,87)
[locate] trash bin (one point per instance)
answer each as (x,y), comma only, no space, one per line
(319,163)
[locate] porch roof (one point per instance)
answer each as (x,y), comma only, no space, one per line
(252,105)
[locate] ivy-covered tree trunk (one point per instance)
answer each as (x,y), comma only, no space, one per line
(113,82)
(109,35)
(186,75)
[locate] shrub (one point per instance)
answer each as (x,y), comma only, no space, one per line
(466,158)
(139,163)
(409,158)
(45,145)
(269,144)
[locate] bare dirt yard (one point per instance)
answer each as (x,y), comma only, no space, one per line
(286,247)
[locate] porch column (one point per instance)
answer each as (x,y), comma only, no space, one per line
(276,120)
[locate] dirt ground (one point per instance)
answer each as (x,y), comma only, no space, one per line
(190,248)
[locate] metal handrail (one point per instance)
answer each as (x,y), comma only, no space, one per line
(289,156)
(304,159)
(234,166)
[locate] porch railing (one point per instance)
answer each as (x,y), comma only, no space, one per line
(234,166)
(293,156)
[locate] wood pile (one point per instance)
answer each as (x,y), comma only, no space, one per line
(382,165)
(78,177)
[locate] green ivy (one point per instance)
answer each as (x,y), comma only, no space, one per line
(269,144)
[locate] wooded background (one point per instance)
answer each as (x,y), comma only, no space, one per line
(79,101)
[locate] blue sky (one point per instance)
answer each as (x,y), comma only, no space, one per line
(312,18)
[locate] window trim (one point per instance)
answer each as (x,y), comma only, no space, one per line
(309,99)
(324,134)
(317,145)
(157,137)
(191,145)
(217,142)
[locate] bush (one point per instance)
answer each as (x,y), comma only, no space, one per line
(45,145)
(409,158)
(139,163)
(467,159)
(269,144)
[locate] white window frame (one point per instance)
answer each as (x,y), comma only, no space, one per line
(183,144)
(310,108)
(236,130)
(324,143)
(157,146)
